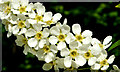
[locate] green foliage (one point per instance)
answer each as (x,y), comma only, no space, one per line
(114,45)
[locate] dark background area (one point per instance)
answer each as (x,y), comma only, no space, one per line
(102,18)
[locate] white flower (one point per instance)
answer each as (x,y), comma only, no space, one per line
(70,55)
(19,6)
(106,42)
(47,53)
(5,10)
(47,66)
(36,17)
(104,63)
(19,28)
(39,36)
(89,56)
(21,40)
(49,19)
(59,33)
(84,37)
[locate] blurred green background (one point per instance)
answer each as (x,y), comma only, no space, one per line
(102,18)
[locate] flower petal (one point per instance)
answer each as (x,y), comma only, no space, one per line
(65,29)
(53,40)
(47,66)
(32,42)
(105,67)
(57,17)
(41,10)
(19,41)
(21,17)
(95,41)
(9,34)
(26,49)
(45,32)
(95,50)
(42,42)
(69,38)
(47,16)
(87,40)
(61,45)
(31,21)
(60,62)
(65,52)
(15,29)
(49,57)
(55,30)
(53,48)
(40,54)
(103,55)
(73,44)
(96,66)
(37,27)
(29,7)
(65,21)
(107,40)
(74,64)
(80,60)
(23,30)
(87,33)
(67,61)
(111,59)
(83,49)
(76,29)
(30,32)
(92,61)
(106,46)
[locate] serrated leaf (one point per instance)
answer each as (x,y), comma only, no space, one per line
(114,45)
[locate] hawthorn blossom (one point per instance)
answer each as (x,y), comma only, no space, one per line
(39,38)
(103,63)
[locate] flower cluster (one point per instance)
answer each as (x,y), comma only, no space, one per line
(42,35)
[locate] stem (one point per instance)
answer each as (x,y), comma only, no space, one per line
(83,69)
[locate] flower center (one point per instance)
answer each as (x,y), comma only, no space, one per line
(46,48)
(101,45)
(79,37)
(7,10)
(73,53)
(22,9)
(61,37)
(104,62)
(39,35)
(87,55)
(24,41)
(21,24)
(49,22)
(38,18)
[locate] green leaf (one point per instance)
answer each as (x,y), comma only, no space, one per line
(114,45)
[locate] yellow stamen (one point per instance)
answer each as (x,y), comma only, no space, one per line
(21,24)
(61,37)
(38,35)
(7,10)
(46,48)
(22,9)
(49,22)
(79,37)
(87,55)
(38,18)
(101,45)
(73,53)
(104,62)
